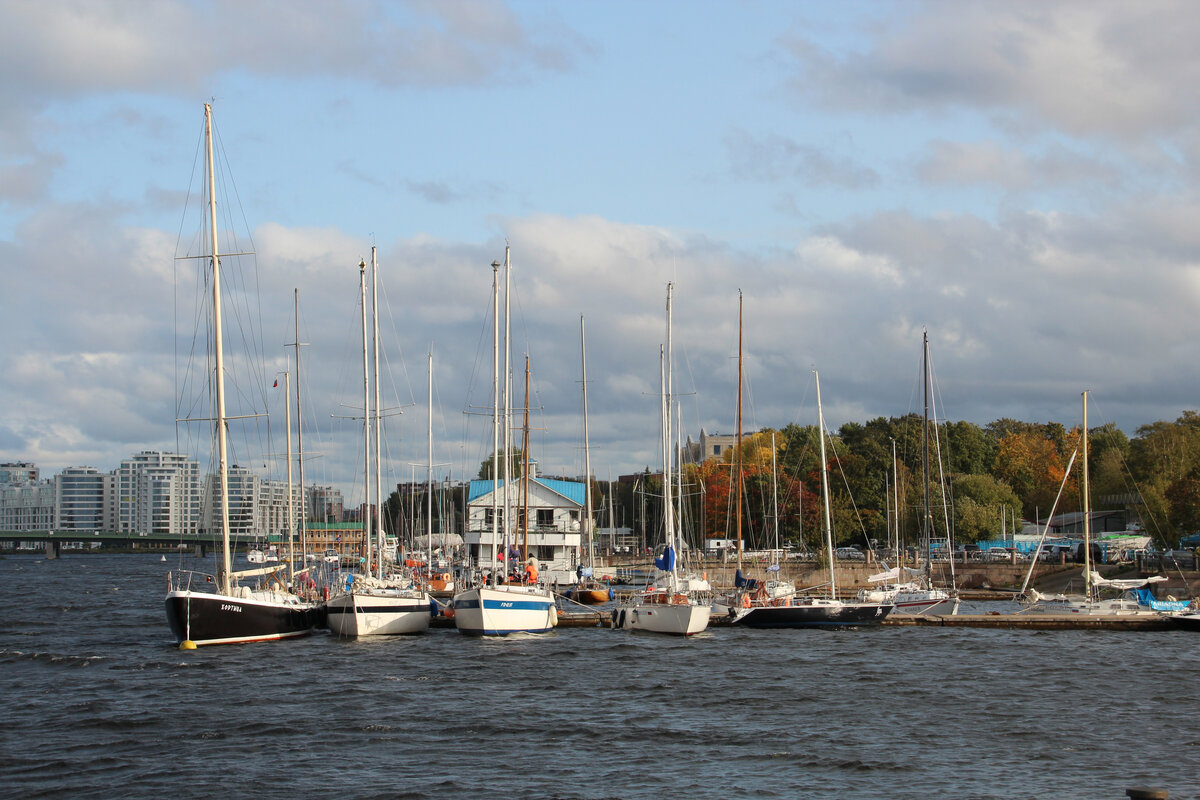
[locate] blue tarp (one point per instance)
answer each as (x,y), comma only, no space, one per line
(666,562)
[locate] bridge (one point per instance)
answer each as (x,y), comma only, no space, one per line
(53,543)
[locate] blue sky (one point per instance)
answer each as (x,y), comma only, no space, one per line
(1017,177)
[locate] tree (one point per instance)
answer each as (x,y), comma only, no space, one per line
(516,460)
(978,503)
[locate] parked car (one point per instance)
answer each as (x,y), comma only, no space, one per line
(849,554)
(997,554)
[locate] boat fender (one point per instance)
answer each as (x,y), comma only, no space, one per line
(434,609)
(553,617)
(611,594)
(324,592)
(448,612)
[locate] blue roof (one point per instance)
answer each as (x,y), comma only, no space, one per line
(572,490)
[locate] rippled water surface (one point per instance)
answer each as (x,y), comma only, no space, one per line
(98,702)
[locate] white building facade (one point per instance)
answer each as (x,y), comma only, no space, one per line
(552,535)
(158,494)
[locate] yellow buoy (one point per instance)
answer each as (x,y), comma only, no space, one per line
(187,644)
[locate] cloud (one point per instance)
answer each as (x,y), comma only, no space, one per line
(1106,69)
(1012,169)
(776,158)
(54,50)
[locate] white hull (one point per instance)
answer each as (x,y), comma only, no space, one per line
(378,612)
(913,601)
(679,619)
(504,609)
(1120,607)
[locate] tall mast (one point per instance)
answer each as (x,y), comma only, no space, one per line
(586,527)
(495,416)
(927,521)
(774,495)
(668,476)
(300,435)
(366,516)
(507,432)
(825,490)
(1087,509)
(429,481)
(525,470)
(737,475)
(378,456)
(896,499)
(219,359)
(291,505)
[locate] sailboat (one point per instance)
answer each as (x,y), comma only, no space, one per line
(748,593)
(671,603)
(814,611)
(376,604)
(587,590)
(231,612)
(917,596)
(498,606)
(1090,602)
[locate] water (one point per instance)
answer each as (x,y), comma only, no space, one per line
(98,702)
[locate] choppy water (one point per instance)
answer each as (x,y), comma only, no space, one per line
(97,702)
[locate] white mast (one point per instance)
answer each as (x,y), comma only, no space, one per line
(1087,509)
(775,497)
(362,284)
(495,416)
(737,473)
(300,434)
(291,506)
(586,527)
(668,477)
(825,490)
(219,360)
(429,480)
(378,458)
(507,409)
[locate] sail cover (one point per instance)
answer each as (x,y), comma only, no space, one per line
(666,562)
(1128,583)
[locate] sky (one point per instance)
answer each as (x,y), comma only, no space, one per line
(1016,178)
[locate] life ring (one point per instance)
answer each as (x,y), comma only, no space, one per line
(445,577)
(745,601)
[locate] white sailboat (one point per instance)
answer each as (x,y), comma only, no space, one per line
(498,606)
(232,612)
(1090,602)
(671,603)
(919,595)
(375,603)
(587,590)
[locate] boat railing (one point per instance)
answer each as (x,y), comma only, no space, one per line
(182,580)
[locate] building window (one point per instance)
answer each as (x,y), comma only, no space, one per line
(716,449)
(545,517)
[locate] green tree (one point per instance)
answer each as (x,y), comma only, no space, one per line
(516,460)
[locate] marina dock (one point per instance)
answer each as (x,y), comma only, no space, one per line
(1033,622)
